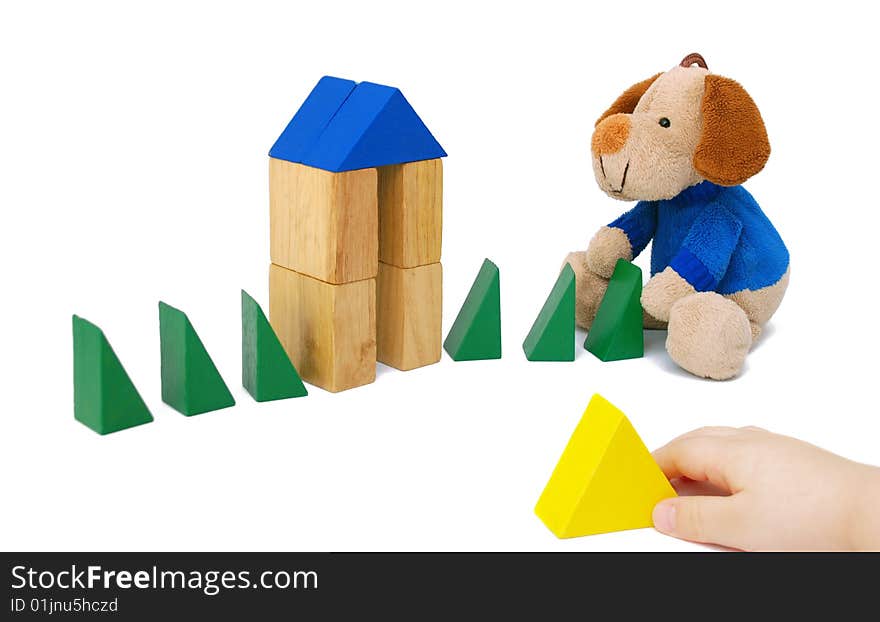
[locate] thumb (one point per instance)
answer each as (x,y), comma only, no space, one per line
(716,520)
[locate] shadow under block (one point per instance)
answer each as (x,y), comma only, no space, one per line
(605,480)
(552,334)
(617,332)
(328,331)
(191,383)
(104,397)
(409,315)
(323,224)
(266,370)
(411,213)
(476,333)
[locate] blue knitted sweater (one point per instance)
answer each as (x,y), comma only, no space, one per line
(715,237)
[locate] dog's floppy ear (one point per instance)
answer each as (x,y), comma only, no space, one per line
(629,98)
(733,145)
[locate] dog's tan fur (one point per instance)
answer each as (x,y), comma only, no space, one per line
(761,304)
(702,318)
(629,99)
(606,247)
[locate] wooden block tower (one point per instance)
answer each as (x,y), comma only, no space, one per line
(356,199)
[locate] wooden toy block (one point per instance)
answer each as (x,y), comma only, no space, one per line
(324,225)
(552,334)
(191,383)
(606,480)
(328,331)
(266,370)
(617,332)
(411,213)
(409,315)
(343,127)
(104,397)
(476,332)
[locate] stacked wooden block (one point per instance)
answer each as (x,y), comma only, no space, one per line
(356,219)
(410,281)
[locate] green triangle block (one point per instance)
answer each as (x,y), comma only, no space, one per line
(266,370)
(191,383)
(476,332)
(104,397)
(617,332)
(552,334)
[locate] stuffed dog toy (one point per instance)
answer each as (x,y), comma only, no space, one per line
(681,143)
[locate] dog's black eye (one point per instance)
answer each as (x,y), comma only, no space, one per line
(664,122)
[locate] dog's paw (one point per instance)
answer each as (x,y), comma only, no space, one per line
(607,246)
(589,289)
(709,336)
(662,291)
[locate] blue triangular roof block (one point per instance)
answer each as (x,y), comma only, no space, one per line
(373,126)
(312,117)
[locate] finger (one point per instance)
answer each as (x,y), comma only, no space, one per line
(700,458)
(754,428)
(716,520)
(708,431)
(689,488)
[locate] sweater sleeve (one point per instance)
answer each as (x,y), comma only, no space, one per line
(639,225)
(705,253)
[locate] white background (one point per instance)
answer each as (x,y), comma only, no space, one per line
(133,168)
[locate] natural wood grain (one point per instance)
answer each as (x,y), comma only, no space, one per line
(409,315)
(324,224)
(328,331)
(411,213)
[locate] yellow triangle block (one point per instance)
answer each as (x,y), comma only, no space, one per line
(605,480)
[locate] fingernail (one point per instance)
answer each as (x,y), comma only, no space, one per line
(664,516)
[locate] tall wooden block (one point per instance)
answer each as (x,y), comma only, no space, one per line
(410,213)
(327,330)
(409,315)
(324,224)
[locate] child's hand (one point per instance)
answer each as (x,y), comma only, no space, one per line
(783,493)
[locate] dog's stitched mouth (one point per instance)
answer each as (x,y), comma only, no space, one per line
(622,180)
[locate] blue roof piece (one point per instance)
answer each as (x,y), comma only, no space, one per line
(371,125)
(312,117)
